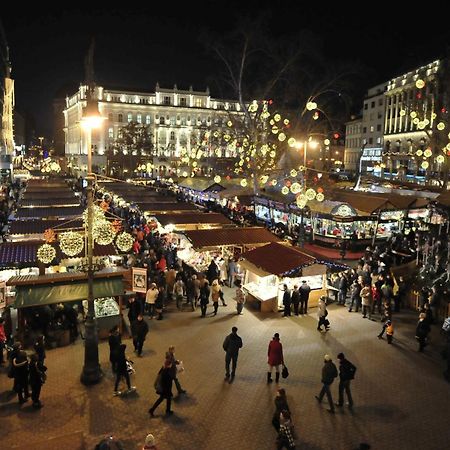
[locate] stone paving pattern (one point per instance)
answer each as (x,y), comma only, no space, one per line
(401,398)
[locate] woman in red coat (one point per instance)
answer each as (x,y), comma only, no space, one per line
(275,357)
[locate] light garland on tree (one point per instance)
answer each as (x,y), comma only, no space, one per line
(124,242)
(46,253)
(103,232)
(71,243)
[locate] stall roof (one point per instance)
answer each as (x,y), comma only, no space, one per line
(62,193)
(25,252)
(39,226)
(444,199)
(277,259)
(62,211)
(192,218)
(49,201)
(230,236)
(164,208)
(201,184)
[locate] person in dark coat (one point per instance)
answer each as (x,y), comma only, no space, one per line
(343,288)
(39,348)
(170,355)
(355,298)
(122,370)
(346,374)
(213,271)
(281,404)
(204,297)
(164,388)
(286,301)
(422,330)
(231,345)
(139,330)
(37,378)
(134,309)
(159,303)
(329,373)
(20,371)
(295,298)
(275,357)
(114,341)
(304,290)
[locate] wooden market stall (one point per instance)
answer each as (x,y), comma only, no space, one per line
(193,221)
(269,267)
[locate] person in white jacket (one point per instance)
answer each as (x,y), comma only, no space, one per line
(322,314)
(150,299)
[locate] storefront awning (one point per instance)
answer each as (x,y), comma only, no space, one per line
(187,218)
(64,287)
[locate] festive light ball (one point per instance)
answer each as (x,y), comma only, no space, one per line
(272,154)
(46,253)
(440,126)
(310,194)
(326,142)
(302,168)
(71,243)
(273,182)
(440,159)
(311,105)
(402,112)
(124,242)
(264,179)
(277,117)
(320,197)
(293,173)
(427,153)
(281,137)
(416,121)
(296,188)
(421,125)
(316,115)
(103,233)
(230,123)
(420,84)
(301,201)
(286,122)
(419,153)
(413,114)
(275,130)
(319,190)
(425,165)
(285,190)
(217,179)
(244,182)
(97,214)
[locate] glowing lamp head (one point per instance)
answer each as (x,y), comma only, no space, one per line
(91,116)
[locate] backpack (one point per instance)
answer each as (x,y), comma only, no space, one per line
(351,371)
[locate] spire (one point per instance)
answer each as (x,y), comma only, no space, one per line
(89,66)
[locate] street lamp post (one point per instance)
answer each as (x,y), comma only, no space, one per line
(92,372)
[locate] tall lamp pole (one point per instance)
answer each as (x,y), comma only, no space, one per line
(92,372)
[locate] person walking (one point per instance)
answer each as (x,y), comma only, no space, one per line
(281,404)
(122,370)
(329,373)
(389,331)
(163,386)
(179,290)
(20,372)
(286,301)
(295,298)
(422,330)
(170,355)
(134,309)
(139,330)
(204,297)
(150,299)
(37,379)
(346,374)
(322,314)
(114,341)
(355,298)
(304,290)
(231,345)
(275,358)
(366,298)
(240,297)
(343,287)
(150,443)
(215,295)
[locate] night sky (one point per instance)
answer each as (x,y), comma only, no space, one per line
(136,47)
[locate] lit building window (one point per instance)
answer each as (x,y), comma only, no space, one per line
(120,118)
(130,117)
(198,102)
(139,118)
(111,133)
(148,120)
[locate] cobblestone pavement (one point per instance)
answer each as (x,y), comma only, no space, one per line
(401,398)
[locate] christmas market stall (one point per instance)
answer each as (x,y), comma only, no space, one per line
(191,221)
(269,268)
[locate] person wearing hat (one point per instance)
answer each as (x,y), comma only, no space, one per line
(275,358)
(304,290)
(149,443)
(329,373)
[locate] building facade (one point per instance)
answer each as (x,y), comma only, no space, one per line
(353,143)
(175,119)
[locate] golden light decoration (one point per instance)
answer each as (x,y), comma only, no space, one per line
(413,114)
(326,142)
(277,117)
(440,126)
(320,197)
(421,125)
(310,194)
(286,122)
(104,205)
(311,105)
(420,84)
(217,179)
(302,168)
(97,214)
(440,159)
(301,201)
(273,182)
(49,235)
(416,121)
(296,188)
(419,153)
(425,165)
(402,113)
(275,130)
(285,190)
(281,137)
(293,173)
(124,242)
(46,253)
(291,142)
(427,153)
(103,233)
(230,123)
(244,182)
(264,179)
(71,243)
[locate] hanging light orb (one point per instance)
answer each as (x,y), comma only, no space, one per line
(277,117)
(402,112)
(427,153)
(413,114)
(273,182)
(275,130)
(264,179)
(425,165)
(310,194)
(293,173)
(320,197)
(440,126)
(46,253)
(311,105)
(217,179)
(124,242)
(291,142)
(71,243)
(440,159)
(319,190)
(103,233)
(286,122)
(416,121)
(419,153)
(296,188)
(302,168)
(244,182)
(285,190)
(281,137)
(420,84)
(326,142)
(421,125)
(97,214)
(272,154)
(230,123)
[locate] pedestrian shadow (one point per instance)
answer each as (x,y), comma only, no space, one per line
(185,400)
(8,409)
(223,318)
(383,412)
(7,396)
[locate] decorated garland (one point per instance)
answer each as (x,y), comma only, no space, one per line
(46,253)
(71,243)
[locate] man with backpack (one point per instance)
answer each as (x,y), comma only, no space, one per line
(329,373)
(346,375)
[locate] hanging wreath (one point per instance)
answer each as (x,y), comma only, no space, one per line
(71,243)
(124,242)
(103,233)
(46,253)
(49,235)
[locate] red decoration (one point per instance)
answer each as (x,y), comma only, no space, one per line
(288,183)
(443,110)
(270,102)
(49,235)
(419,95)
(336,135)
(228,177)
(320,190)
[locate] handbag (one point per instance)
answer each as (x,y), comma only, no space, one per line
(180,367)
(285,372)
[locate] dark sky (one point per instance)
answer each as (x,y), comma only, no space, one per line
(138,46)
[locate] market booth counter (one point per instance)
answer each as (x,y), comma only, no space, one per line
(269,267)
